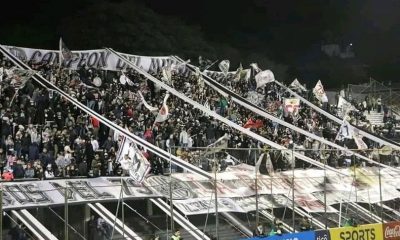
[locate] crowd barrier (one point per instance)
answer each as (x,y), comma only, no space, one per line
(376,231)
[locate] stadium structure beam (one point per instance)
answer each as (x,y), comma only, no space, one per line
(181,220)
(40,231)
(109,217)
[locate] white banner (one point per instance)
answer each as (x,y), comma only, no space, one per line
(99,59)
(344,107)
(192,194)
(52,192)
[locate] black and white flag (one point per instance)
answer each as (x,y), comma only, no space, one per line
(224,67)
(65,53)
(297,85)
(133,161)
(18,77)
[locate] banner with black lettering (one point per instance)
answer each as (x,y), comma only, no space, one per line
(98,58)
(52,192)
(235,188)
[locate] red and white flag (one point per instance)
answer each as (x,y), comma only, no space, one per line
(319,92)
(164,111)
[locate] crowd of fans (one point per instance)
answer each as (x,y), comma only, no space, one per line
(44,136)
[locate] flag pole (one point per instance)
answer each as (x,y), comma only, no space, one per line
(216,198)
(256,183)
(293,211)
(60,57)
(170,193)
(380,190)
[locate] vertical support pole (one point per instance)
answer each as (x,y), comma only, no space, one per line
(87,218)
(66,237)
(326,218)
(293,213)
(1,212)
(380,190)
(170,194)
(256,185)
(122,211)
(272,207)
(216,198)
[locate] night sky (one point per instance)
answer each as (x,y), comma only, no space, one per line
(285,34)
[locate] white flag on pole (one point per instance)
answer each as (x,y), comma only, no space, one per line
(344,106)
(297,85)
(123,79)
(224,66)
(255,67)
(319,92)
(345,131)
(167,74)
(264,77)
(358,139)
(164,111)
(65,54)
(217,146)
(151,109)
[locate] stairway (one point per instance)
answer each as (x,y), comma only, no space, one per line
(375,118)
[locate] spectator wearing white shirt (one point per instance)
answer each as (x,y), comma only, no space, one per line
(95,144)
(184,138)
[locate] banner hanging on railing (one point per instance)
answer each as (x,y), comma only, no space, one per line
(194,194)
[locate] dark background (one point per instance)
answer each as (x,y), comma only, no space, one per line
(282,35)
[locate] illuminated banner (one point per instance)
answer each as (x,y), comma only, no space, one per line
(391,231)
(362,232)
